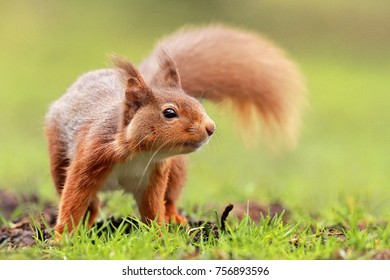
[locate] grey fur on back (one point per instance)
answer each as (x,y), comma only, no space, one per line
(95,98)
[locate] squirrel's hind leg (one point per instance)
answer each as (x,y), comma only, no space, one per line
(58,160)
(176,181)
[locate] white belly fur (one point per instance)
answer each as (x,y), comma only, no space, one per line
(131,176)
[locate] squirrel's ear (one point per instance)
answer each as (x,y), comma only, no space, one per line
(168,76)
(137,95)
(134,86)
(137,92)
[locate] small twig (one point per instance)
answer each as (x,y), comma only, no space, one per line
(224,216)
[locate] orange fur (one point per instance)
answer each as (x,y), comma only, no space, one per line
(176,181)
(151,202)
(129,128)
(92,163)
(58,160)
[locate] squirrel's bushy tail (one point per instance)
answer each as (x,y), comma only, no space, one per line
(226,64)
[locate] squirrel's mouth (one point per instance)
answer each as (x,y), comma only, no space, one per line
(193,145)
(189,146)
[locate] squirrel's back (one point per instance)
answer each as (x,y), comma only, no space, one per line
(93,99)
(227,64)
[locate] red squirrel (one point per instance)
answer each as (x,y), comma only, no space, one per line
(129,127)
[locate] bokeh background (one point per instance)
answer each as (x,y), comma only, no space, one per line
(343,48)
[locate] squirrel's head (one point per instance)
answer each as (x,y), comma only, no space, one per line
(161,118)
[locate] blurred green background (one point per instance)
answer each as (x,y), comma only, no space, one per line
(342,47)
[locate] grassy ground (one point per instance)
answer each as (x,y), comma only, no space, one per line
(338,175)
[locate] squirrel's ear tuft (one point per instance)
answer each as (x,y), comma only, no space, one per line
(137,93)
(129,72)
(168,76)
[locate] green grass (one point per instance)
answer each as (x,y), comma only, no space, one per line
(337,175)
(270,239)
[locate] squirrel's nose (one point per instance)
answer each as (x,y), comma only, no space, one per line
(210,128)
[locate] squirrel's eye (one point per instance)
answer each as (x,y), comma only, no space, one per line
(170,113)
